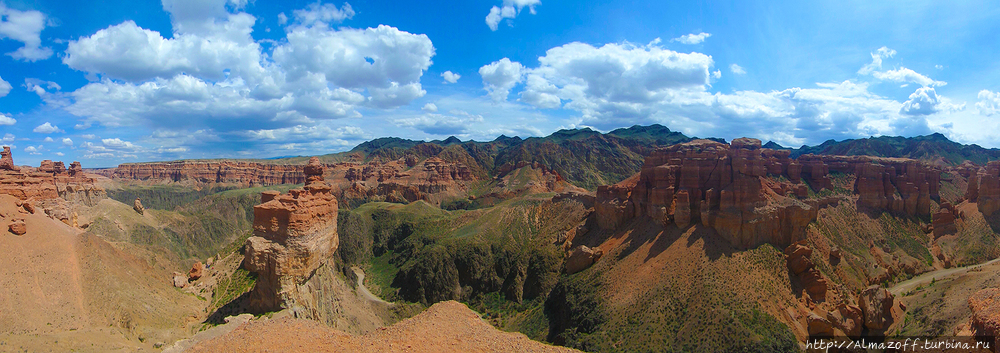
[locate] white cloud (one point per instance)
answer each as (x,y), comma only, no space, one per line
(989,102)
(46,128)
(325,13)
(118,144)
(214,73)
(67,142)
(282,18)
(500,76)
(88,136)
(430,108)
(906,75)
(4,87)
(509,9)
(450,77)
(877,56)
(33,150)
(48,139)
(60,154)
(454,123)
(939,67)
(615,81)
(692,38)
(7,119)
(7,138)
(25,27)
(736,69)
(717,74)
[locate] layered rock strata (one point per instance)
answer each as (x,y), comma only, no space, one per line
(294,234)
(738,189)
(49,181)
(984,188)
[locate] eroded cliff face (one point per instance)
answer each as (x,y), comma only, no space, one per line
(248,174)
(294,234)
(49,181)
(753,195)
(984,188)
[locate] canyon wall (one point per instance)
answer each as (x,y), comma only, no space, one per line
(984,187)
(51,180)
(753,195)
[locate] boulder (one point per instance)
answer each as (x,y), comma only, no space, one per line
(581,258)
(196,271)
(180,280)
(17,227)
(819,326)
(137,206)
(877,303)
(797,256)
(848,319)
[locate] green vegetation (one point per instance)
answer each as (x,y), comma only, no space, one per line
(162,197)
(231,287)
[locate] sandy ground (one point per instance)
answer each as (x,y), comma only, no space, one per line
(907,285)
(444,327)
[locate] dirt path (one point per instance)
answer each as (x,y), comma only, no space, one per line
(364,290)
(903,287)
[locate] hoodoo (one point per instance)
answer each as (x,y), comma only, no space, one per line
(293,235)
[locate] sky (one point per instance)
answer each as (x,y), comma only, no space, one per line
(127,81)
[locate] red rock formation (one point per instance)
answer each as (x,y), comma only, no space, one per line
(294,234)
(196,271)
(710,183)
(137,206)
(6,161)
(244,173)
(984,188)
(50,181)
(797,257)
(944,219)
(880,307)
(17,227)
(985,307)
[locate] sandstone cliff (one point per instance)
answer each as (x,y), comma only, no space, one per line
(294,234)
(753,195)
(49,181)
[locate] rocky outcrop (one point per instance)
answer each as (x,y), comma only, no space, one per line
(881,309)
(984,188)
(137,206)
(294,234)
(985,307)
(737,189)
(943,221)
(717,185)
(49,181)
(196,271)
(17,227)
(180,280)
(6,161)
(581,258)
(797,257)
(247,174)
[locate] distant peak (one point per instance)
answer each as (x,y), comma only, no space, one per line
(451,140)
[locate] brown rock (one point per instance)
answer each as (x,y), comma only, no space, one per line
(985,307)
(581,258)
(137,206)
(17,227)
(876,303)
(6,160)
(848,319)
(797,256)
(294,234)
(943,221)
(819,326)
(196,271)
(180,280)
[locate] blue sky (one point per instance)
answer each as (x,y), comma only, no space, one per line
(124,81)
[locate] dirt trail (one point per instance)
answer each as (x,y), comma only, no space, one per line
(903,287)
(364,290)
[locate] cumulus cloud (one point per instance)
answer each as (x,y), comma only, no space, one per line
(25,27)
(500,76)
(430,108)
(67,142)
(906,75)
(213,73)
(450,77)
(33,150)
(717,74)
(614,81)
(48,139)
(4,87)
(736,69)
(456,122)
(692,38)
(46,128)
(509,9)
(7,138)
(989,103)
(7,119)
(323,13)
